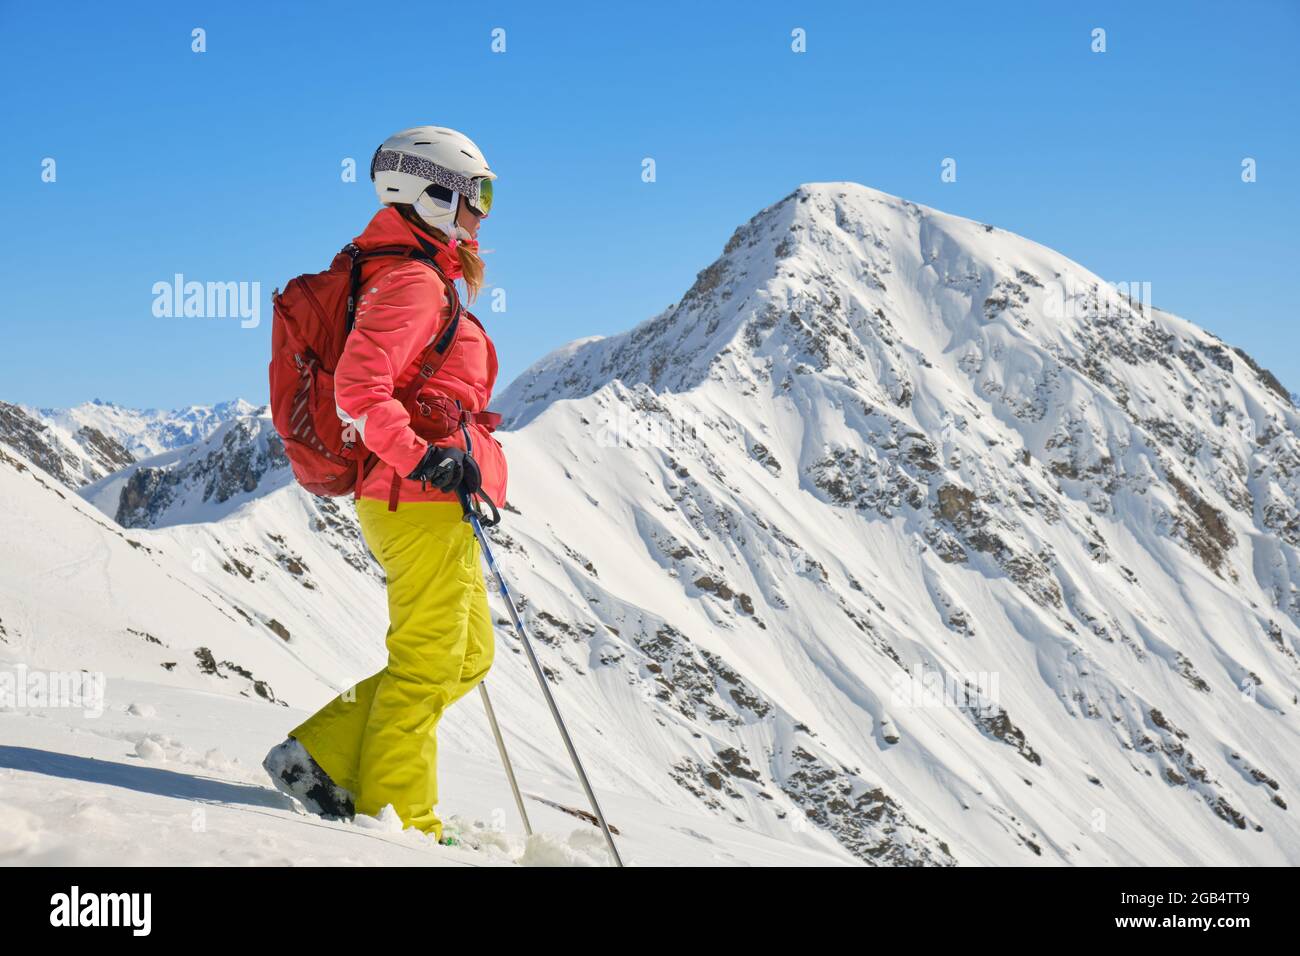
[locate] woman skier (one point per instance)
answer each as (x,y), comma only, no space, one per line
(375,745)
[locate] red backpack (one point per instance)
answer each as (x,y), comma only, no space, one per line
(312,319)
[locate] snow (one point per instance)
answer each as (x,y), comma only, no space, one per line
(874,450)
(185,788)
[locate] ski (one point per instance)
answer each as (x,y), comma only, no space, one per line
(586,815)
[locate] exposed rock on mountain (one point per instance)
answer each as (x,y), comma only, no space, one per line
(74,459)
(201,482)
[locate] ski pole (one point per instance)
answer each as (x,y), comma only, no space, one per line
(505,759)
(471,515)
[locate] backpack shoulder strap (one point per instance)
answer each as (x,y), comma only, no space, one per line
(431,359)
(358,256)
(436,352)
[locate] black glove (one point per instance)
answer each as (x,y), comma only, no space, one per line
(448,469)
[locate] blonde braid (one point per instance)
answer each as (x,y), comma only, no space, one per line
(471,265)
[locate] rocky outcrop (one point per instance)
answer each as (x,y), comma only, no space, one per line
(233,464)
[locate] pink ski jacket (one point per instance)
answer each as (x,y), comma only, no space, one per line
(402,307)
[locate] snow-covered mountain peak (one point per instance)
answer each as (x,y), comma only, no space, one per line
(812,268)
(142,432)
(979,456)
(858,285)
(241,461)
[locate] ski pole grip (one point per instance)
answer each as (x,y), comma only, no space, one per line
(468,510)
(492,505)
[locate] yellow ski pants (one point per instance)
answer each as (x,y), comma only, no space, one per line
(378,740)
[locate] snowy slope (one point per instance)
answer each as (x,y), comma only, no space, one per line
(900,539)
(170,777)
(78,592)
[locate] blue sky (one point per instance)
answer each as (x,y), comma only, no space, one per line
(225,165)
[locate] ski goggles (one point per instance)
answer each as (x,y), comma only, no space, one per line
(481,202)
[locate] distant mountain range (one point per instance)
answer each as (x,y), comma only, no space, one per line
(89,441)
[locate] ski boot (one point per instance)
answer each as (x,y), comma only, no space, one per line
(295,774)
(459,832)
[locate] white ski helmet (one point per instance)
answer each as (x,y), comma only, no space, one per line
(430,167)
